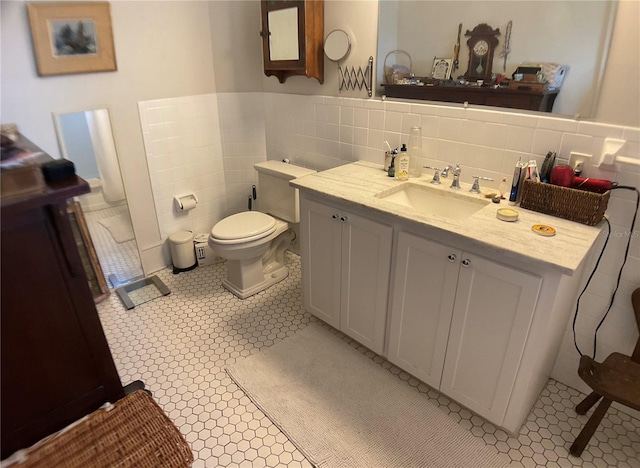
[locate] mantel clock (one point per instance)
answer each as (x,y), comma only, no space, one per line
(482,43)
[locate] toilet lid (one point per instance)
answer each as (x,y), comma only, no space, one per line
(248,224)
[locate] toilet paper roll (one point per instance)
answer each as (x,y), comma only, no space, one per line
(185,202)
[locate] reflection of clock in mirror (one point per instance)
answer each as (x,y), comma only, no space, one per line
(482,42)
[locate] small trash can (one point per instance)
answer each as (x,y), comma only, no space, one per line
(183,254)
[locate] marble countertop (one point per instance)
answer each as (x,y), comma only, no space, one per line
(355,185)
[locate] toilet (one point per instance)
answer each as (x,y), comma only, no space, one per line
(254,242)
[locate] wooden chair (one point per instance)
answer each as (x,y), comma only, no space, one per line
(616,379)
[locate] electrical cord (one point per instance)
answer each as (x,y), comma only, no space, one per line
(593,272)
(595,268)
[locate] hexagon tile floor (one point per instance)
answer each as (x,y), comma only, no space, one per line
(179,344)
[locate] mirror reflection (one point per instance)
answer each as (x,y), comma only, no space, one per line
(86,139)
(567,33)
(283,34)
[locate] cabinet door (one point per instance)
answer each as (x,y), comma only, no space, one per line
(491,318)
(320,246)
(366,264)
(424,291)
(56,364)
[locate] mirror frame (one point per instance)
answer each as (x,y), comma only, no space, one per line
(64,154)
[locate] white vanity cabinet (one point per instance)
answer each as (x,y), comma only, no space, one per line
(346,263)
(460,322)
(424,291)
(492,315)
(478,308)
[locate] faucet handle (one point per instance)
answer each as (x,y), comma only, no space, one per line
(476,185)
(436,175)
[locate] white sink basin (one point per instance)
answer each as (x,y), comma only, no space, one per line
(431,201)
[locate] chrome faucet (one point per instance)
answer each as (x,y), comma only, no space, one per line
(455,184)
(436,176)
(476,184)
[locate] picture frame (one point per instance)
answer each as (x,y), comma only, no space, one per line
(441,68)
(72,37)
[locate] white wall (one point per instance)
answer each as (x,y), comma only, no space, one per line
(620,94)
(160,53)
(205,145)
(236,45)
(184,154)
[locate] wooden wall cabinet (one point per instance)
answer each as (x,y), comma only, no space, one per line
(292,38)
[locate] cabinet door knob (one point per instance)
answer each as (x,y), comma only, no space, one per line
(343,218)
(466,263)
(334,216)
(452,257)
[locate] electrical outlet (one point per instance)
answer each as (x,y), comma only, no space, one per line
(578,167)
(578,160)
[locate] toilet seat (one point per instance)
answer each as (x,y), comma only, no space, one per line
(243,227)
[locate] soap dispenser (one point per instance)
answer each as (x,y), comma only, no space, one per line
(402,164)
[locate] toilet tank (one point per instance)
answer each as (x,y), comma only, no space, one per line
(276,196)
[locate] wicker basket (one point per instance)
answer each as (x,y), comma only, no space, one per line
(403,71)
(576,205)
(134,433)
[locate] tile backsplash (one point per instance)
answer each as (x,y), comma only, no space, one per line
(209,143)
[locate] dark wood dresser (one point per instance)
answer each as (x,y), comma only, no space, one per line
(56,364)
(526,99)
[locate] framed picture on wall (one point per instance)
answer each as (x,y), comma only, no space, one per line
(72,37)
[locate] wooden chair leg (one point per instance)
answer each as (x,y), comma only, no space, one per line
(586,404)
(587,431)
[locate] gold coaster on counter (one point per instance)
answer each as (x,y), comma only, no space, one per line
(543,230)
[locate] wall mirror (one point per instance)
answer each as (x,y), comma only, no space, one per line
(570,33)
(283,37)
(337,45)
(86,139)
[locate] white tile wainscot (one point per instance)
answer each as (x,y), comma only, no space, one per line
(476,307)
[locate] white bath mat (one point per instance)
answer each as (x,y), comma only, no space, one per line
(120,228)
(341,409)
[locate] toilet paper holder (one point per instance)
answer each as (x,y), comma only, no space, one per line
(185,202)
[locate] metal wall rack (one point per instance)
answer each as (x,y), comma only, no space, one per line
(351,79)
